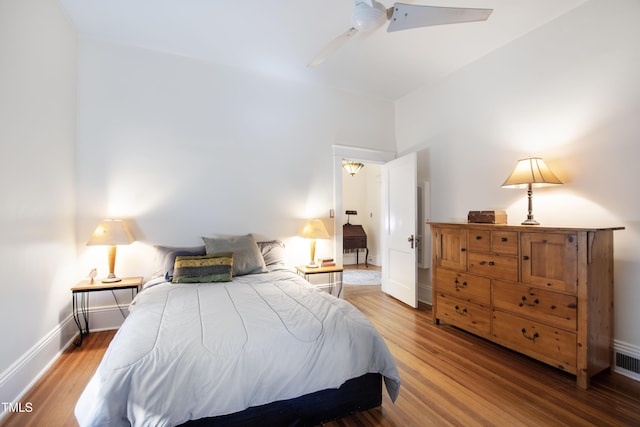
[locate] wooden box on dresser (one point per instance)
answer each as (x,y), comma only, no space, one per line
(546,292)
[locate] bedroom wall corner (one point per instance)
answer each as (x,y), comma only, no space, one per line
(37,183)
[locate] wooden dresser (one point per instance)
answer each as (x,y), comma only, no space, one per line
(354,237)
(546,292)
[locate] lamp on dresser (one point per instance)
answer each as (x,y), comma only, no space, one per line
(527,173)
(314,229)
(111,232)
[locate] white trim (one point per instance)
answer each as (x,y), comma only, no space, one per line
(16,380)
(363,154)
(22,375)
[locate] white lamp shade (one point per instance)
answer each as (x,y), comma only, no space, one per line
(111,232)
(315,229)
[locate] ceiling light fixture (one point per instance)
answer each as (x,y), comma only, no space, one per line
(352,167)
(368,17)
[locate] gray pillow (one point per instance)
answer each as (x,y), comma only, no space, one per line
(247,258)
(168,254)
(273,254)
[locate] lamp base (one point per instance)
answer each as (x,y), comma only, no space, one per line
(312,265)
(111,278)
(530,221)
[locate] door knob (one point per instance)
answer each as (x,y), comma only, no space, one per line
(411,239)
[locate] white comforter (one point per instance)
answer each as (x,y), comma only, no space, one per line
(189,351)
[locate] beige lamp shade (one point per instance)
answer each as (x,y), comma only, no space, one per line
(111,232)
(314,229)
(530,172)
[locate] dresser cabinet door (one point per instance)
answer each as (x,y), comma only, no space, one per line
(451,248)
(550,260)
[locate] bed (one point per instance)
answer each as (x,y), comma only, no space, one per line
(263,345)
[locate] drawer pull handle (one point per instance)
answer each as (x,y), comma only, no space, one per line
(460,285)
(504,239)
(492,263)
(462,249)
(462,311)
(524,302)
(525,257)
(478,237)
(530,338)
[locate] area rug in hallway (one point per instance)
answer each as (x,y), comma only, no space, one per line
(361,277)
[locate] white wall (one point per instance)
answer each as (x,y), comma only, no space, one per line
(37,243)
(568,92)
(186,148)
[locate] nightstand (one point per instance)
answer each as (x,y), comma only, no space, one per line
(334,272)
(80,299)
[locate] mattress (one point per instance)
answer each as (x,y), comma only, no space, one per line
(190,351)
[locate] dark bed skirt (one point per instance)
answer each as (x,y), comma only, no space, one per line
(357,394)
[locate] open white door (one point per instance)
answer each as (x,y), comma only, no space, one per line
(399,264)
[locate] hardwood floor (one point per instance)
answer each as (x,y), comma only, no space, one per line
(449,378)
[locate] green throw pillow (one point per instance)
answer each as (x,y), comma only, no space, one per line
(203,268)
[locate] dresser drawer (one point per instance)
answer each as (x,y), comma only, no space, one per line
(464,286)
(504,242)
(463,314)
(538,304)
(494,265)
(480,240)
(551,345)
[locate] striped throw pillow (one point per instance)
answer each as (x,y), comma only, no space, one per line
(203,268)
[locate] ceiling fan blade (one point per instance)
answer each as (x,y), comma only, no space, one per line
(407,16)
(333,45)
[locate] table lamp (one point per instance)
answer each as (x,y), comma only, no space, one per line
(314,229)
(111,232)
(529,172)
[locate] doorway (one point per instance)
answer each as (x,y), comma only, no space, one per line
(368,215)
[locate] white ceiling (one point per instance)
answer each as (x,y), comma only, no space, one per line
(280,37)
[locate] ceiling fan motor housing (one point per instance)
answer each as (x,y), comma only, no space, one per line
(368,18)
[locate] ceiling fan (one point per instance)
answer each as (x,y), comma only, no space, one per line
(369,15)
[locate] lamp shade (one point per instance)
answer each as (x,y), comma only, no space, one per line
(532,170)
(352,167)
(315,229)
(111,232)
